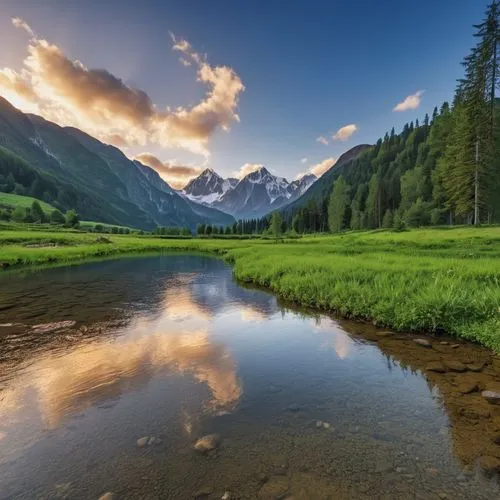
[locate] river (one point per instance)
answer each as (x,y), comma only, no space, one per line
(111,372)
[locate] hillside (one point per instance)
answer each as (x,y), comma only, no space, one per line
(79,172)
(14,200)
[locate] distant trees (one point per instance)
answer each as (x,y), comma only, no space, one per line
(56,217)
(72,219)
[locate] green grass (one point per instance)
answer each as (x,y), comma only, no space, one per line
(89,224)
(433,280)
(16,200)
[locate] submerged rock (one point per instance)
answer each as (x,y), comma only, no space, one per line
(322,425)
(455,366)
(493,397)
(294,407)
(422,342)
(147,441)
(276,487)
(476,367)
(207,443)
(468,387)
(435,366)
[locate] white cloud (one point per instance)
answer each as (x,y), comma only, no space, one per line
(410,102)
(344,133)
(19,23)
(322,140)
(303,160)
(246,169)
(69,93)
(319,168)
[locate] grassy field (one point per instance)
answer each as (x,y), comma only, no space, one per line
(434,280)
(16,200)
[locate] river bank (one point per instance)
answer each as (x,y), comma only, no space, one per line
(432,280)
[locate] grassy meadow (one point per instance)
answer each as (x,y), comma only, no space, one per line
(433,280)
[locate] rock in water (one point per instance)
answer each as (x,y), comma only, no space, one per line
(147,441)
(422,342)
(207,443)
(455,366)
(143,441)
(294,407)
(108,496)
(467,387)
(493,397)
(435,366)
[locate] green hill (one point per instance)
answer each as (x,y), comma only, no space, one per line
(11,200)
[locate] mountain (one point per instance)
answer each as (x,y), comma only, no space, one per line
(96,179)
(255,195)
(321,189)
(208,187)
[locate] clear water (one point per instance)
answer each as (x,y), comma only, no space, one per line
(173,348)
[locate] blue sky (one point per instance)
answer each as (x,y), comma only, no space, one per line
(308,67)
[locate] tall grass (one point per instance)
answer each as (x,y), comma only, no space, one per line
(434,280)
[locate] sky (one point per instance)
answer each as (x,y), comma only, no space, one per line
(188,84)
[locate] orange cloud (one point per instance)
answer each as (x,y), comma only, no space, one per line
(175,175)
(98,102)
(344,133)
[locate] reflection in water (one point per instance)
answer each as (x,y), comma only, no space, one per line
(85,376)
(161,347)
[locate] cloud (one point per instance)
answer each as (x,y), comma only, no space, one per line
(303,160)
(175,175)
(322,140)
(246,169)
(319,168)
(69,93)
(410,102)
(344,133)
(19,23)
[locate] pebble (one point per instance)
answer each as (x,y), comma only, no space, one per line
(422,342)
(476,367)
(226,496)
(322,425)
(207,443)
(493,397)
(147,441)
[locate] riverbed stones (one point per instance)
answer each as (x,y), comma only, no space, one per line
(435,366)
(207,443)
(476,367)
(322,425)
(455,366)
(422,342)
(148,441)
(276,487)
(467,387)
(493,397)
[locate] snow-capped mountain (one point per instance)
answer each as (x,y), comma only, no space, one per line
(255,195)
(208,187)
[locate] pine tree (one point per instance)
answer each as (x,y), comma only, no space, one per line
(339,201)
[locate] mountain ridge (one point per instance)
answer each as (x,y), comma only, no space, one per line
(104,183)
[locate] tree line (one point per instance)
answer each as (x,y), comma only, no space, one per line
(443,170)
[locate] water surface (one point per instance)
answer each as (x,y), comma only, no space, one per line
(172,348)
